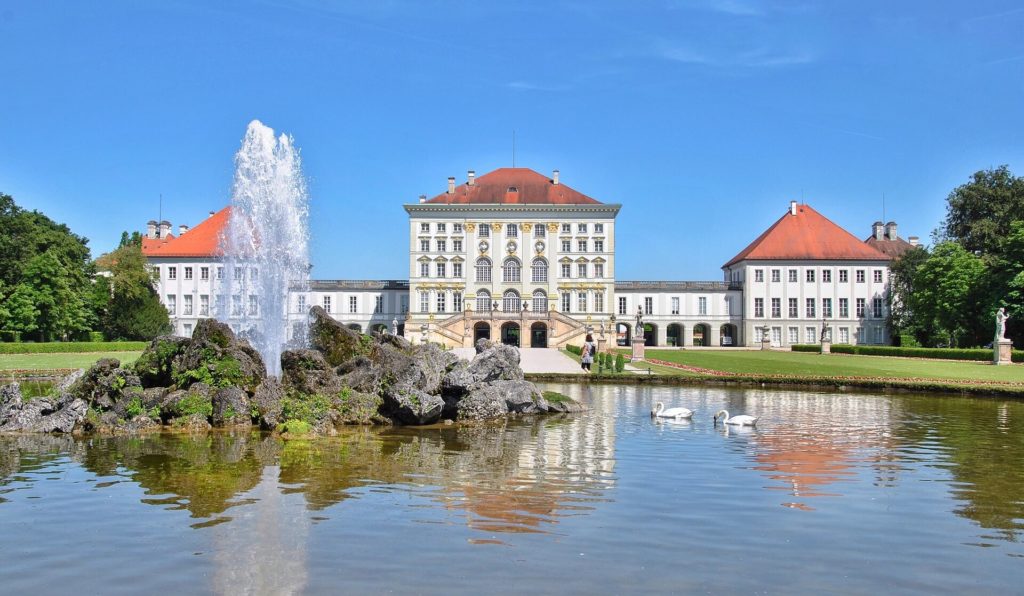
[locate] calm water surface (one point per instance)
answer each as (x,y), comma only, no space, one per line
(833,492)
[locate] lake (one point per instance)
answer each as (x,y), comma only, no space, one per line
(836,492)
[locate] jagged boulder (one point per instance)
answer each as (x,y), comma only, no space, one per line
(231,407)
(106,384)
(154,365)
(522,397)
(267,401)
(197,400)
(482,403)
(336,342)
(361,374)
(307,371)
(412,406)
(43,414)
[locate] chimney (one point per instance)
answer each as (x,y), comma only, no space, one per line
(151,229)
(876,230)
(423,198)
(554,177)
(890,230)
(182,229)
(165,229)
(470,175)
(451,185)
(211,214)
(792,207)
(914,241)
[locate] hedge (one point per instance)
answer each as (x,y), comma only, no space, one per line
(574,349)
(978,354)
(72,347)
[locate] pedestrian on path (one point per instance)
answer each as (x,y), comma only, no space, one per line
(587,353)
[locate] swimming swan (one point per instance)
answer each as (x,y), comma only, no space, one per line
(741,420)
(659,411)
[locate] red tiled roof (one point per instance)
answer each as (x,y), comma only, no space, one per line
(808,235)
(154,243)
(531,188)
(892,248)
(201,241)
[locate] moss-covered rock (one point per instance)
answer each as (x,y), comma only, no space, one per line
(336,342)
(307,371)
(154,364)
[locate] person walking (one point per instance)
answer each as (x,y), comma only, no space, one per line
(587,353)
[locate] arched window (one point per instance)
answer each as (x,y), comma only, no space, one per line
(540,270)
(540,301)
(483,301)
(483,269)
(510,301)
(512,271)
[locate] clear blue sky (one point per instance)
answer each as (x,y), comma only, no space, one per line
(703,118)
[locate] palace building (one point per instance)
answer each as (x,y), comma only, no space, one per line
(521,257)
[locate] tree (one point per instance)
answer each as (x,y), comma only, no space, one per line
(945,295)
(56,295)
(979,213)
(133,310)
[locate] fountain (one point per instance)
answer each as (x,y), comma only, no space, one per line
(266,245)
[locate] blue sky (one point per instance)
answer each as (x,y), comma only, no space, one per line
(703,118)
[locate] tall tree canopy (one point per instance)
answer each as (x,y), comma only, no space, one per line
(133,310)
(979,214)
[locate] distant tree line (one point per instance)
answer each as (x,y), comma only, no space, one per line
(52,290)
(948,295)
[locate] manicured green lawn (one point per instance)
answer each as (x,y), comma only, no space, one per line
(846,365)
(39,361)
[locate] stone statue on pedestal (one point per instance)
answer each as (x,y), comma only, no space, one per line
(1001,318)
(639,321)
(826,331)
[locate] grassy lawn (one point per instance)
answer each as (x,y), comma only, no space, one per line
(48,361)
(846,365)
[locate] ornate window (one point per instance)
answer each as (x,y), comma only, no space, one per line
(540,271)
(483,301)
(512,271)
(540,301)
(483,269)
(510,301)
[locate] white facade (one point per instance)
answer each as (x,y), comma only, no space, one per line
(681,314)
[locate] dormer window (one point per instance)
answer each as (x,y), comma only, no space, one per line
(513,189)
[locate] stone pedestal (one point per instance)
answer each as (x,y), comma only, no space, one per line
(602,344)
(638,350)
(826,346)
(766,344)
(1001,351)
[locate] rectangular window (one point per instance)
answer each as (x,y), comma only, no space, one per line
(254,308)
(599,228)
(675,305)
(581,228)
(826,308)
(353,304)
(441,306)
(188,330)
(188,273)
(172,304)
(622,305)
(844,276)
(879,335)
(581,300)
(172,273)
(581,270)
(405,303)
(204,273)
(794,335)
(598,270)
(220,273)
(844,335)
(776,308)
(425,228)
(581,245)
(301,304)
(726,305)
(810,275)
(378,304)
(598,301)
(539,231)
(566,300)
(483,270)
(457,245)
(456,228)
(442,245)
(598,245)
(327,303)
(236,305)
(440,269)
(441,228)
(566,246)
(811,335)
(566,229)
(810,309)
(878,276)
(794,308)
(758,307)
(186,308)
(776,275)
(220,305)
(204,305)
(792,275)
(860,276)
(758,275)
(539,272)
(424,244)
(648,305)
(702,305)
(424,301)
(566,270)
(239,273)
(826,276)
(876,307)
(456,269)
(424,269)
(483,230)
(860,308)
(457,301)
(511,231)
(844,308)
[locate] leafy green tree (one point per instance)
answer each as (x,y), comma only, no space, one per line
(133,310)
(945,297)
(979,214)
(23,315)
(902,272)
(57,296)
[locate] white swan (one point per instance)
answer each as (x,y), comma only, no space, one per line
(659,411)
(741,420)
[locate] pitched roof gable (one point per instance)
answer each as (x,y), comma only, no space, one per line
(513,186)
(807,235)
(201,241)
